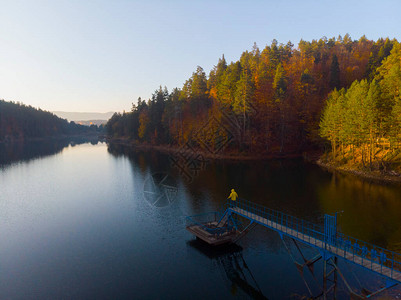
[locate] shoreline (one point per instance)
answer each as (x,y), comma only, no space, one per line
(177,150)
(376,177)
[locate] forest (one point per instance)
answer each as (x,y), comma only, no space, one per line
(363,122)
(20,122)
(273,101)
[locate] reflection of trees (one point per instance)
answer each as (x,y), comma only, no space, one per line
(30,150)
(232,264)
(371,212)
(147,161)
(286,185)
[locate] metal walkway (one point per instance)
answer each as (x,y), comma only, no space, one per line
(326,239)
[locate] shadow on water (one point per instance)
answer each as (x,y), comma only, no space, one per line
(230,260)
(29,150)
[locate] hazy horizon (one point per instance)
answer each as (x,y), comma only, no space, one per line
(83,116)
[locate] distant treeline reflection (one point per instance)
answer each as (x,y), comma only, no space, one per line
(26,151)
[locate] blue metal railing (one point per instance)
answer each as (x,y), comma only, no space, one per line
(370,256)
(302,227)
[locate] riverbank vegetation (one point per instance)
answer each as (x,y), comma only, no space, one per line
(19,122)
(270,101)
(363,122)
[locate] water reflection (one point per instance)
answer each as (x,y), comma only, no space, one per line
(29,150)
(146,161)
(368,211)
(371,212)
(78,226)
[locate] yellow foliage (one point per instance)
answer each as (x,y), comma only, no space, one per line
(143,122)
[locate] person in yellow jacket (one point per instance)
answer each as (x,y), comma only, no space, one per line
(233,196)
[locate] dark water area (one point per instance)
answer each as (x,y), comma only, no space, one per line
(81,221)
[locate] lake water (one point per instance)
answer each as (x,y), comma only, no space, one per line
(82,221)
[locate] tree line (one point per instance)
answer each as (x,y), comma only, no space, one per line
(19,122)
(269,101)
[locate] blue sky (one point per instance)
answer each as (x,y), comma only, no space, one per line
(102,55)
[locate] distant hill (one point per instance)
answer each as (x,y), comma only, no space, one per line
(84,116)
(20,122)
(91,122)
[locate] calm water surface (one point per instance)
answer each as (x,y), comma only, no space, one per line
(76,224)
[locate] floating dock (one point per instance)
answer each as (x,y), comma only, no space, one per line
(212,234)
(214,228)
(217,228)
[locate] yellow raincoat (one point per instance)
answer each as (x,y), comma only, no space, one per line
(233,196)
